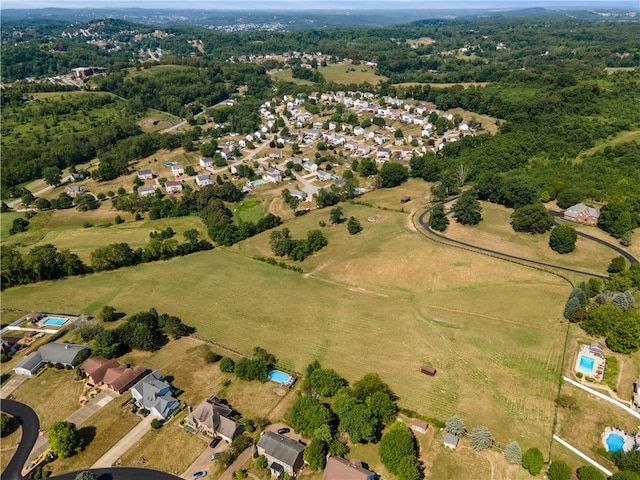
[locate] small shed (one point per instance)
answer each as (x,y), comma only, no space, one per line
(427,370)
(450,441)
(419,426)
(405,199)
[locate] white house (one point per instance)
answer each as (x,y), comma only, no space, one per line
(177,169)
(272,175)
(154,394)
(206,162)
(173,186)
(145,174)
(204,180)
(146,191)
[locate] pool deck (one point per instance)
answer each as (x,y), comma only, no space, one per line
(599,363)
(630,441)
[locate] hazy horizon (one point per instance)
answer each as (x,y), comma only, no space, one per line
(314,5)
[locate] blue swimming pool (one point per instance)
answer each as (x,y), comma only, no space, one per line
(280,377)
(586,364)
(55,321)
(255,183)
(615,442)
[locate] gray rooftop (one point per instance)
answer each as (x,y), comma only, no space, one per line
(284,449)
(451,439)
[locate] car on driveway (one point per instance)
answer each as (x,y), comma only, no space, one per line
(214,442)
(282,431)
(199,474)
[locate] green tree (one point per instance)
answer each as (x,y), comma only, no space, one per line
(601,319)
(437,219)
(369,384)
(325,381)
(467,210)
(455,426)
(532,460)
(308,413)
(281,243)
(19,225)
(367,167)
(64,439)
(569,197)
(563,239)
(336,215)
(625,240)
(52,176)
(589,472)
(227,364)
(156,423)
(625,475)
(393,174)
(382,406)
(108,313)
(559,470)
(513,453)
(5,424)
(316,240)
(86,475)
(481,438)
(106,344)
(532,218)
(316,454)
(43,204)
(395,445)
(410,468)
(86,202)
(624,337)
(353,226)
(261,462)
(617,265)
(593,287)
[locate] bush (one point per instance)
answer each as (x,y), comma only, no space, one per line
(532,460)
(559,470)
(354,226)
(227,365)
(481,438)
(513,453)
(563,239)
(156,423)
(261,462)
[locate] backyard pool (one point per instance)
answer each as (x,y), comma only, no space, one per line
(281,378)
(55,321)
(615,442)
(586,364)
(255,183)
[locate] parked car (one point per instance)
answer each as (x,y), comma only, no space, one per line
(199,474)
(214,442)
(282,431)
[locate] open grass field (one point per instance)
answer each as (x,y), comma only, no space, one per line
(157,120)
(623,137)
(485,324)
(151,450)
(104,429)
(495,232)
(346,73)
(420,41)
(612,70)
(250,210)
(53,394)
(155,70)
(488,123)
(287,76)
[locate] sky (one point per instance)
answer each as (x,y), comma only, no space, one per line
(317,4)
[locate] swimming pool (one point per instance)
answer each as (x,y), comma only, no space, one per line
(280,377)
(615,442)
(55,321)
(586,364)
(255,183)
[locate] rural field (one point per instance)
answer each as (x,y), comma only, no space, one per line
(492,329)
(343,73)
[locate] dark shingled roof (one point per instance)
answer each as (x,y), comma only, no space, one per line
(284,449)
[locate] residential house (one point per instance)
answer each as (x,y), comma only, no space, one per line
(358,131)
(324,176)
(145,175)
(406,153)
(450,441)
(300,195)
(62,353)
(206,162)
(338,468)
(383,154)
(146,191)
(111,374)
(419,120)
(283,454)
(340,182)
(310,167)
(272,175)
(363,149)
(73,190)
(582,214)
(351,145)
(214,418)
(635,401)
(177,169)
(204,180)
(419,426)
(154,394)
(173,186)
(226,154)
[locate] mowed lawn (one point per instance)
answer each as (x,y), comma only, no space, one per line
(386,300)
(347,73)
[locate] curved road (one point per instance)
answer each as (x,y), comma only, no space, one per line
(425,224)
(30,429)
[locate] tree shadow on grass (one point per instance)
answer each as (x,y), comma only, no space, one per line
(87,434)
(12,425)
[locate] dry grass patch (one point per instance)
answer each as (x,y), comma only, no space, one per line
(151,450)
(583,427)
(495,232)
(107,426)
(9,445)
(488,123)
(347,73)
(53,394)
(287,76)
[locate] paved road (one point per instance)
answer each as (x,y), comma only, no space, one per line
(125,443)
(30,428)
(425,224)
(122,473)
